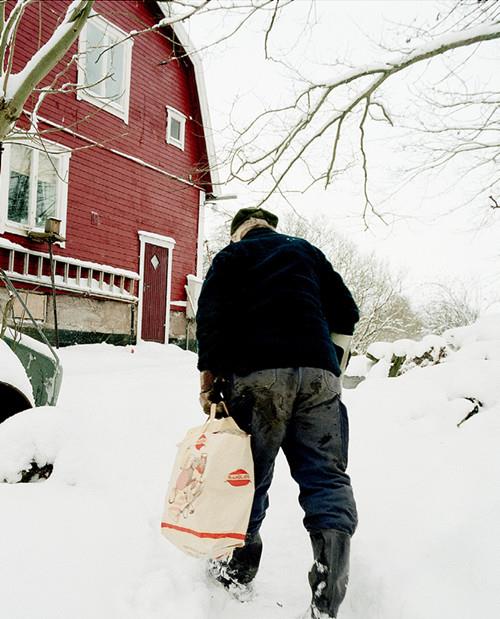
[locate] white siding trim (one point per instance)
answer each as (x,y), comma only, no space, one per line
(157,239)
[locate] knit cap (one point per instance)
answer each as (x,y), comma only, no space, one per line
(258,213)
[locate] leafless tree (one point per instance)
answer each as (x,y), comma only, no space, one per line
(458,122)
(447,306)
(337,112)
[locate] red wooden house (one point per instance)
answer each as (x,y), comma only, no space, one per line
(126,164)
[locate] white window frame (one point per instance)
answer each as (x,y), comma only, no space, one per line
(63,155)
(83,94)
(173,114)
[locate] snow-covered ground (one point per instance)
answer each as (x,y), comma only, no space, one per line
(86,543)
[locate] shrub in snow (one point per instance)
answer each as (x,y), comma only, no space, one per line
(472,383)
(480,340)
(396,358)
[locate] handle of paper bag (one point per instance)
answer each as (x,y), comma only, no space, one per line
(213,410)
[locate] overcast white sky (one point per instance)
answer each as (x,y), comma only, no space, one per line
(433,236)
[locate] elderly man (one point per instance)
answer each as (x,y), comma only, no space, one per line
(266,312)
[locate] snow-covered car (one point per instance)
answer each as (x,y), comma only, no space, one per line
(16,393)
(30,371)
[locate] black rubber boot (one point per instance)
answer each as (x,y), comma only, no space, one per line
(330,572)
(242,568)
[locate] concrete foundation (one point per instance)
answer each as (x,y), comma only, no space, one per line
(80,319)
(177,325)
(89,319)
(91,314)
(183,331)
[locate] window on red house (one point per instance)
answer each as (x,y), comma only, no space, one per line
(104,67)
(33,185)
(176,127)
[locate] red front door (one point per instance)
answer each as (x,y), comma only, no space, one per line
(154,299)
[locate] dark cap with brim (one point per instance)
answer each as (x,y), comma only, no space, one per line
(246,213)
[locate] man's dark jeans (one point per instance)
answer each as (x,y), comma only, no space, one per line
(299,410)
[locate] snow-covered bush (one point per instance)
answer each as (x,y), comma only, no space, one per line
(396,358)
(460,348)
(480,340)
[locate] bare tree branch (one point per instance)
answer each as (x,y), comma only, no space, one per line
(316,122)
(44,60)
(269,28)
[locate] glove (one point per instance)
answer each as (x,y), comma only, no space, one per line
(211,392)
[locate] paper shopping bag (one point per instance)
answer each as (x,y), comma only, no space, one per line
(210,495)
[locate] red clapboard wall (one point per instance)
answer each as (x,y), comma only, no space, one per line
(115,188)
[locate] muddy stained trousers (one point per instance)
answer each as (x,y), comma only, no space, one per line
(300,411)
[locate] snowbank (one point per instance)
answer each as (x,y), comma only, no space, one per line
(487,328)
(478,341)
(86,543)
(428,539)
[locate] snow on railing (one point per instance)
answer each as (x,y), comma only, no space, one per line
(70,274)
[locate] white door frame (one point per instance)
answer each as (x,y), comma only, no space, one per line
(160,241)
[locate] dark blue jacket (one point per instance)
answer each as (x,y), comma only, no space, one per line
(271,301)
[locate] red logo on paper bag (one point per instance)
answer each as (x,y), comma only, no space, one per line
(200,443)
(240,477)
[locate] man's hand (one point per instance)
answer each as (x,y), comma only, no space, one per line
(211,393)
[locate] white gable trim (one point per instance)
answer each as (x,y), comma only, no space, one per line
(190,50)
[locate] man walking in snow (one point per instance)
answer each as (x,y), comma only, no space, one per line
(265,315)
